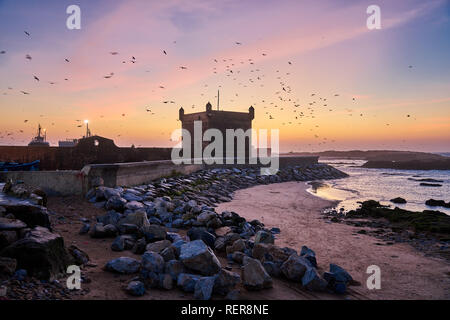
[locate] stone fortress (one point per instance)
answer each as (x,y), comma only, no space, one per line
(218,119)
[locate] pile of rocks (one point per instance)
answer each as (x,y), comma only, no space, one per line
(146,220)
(32,256)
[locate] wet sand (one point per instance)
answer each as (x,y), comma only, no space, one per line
(405,272)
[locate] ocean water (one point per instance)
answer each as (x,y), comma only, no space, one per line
(382,185)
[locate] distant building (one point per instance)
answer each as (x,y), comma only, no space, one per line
(67,143)
(220,120)
(40,140)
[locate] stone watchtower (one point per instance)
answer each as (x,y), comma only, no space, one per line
(220,120)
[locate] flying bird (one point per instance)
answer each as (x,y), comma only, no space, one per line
(24,92)
(27,33)
(114,53)
(67,60)
(36,78)
(165,52)
(28,57)
(2,52)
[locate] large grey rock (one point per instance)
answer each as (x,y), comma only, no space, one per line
(100,231)
(169,253)
(158,246)
(204,287)
(11,224)
(174,268)
(41,253)
(118,244)
(295,267)
(269,252)
(153,262)
(238,245)
(264,237)
(31,215)
(166,281)
(79,256)
(154,233)
(131,196)
(187,281)
(310,255)
(135,288)
(138,218)
(201,234)
(110,192)
(139,246)
(254,276)
(134,205)
(128,228)
(205,216)
(111,217)
(197,256)
(272,268)
(124,265)
(116,203)
(226,281)
(312,281)
(341,273)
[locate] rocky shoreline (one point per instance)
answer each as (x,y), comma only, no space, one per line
(147,220)
(172,224)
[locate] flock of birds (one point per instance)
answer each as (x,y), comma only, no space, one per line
(244,74)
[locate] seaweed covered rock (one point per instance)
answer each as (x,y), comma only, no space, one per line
(398,200)
(425,221)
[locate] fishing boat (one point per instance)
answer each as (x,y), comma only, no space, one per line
(41,139)
(13,166)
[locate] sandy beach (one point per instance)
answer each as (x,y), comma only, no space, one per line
(405,272)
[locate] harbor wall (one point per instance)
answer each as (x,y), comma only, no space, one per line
(78,182)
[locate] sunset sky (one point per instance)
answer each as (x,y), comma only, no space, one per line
(384,89)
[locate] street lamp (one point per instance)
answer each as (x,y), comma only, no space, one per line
(87,128)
